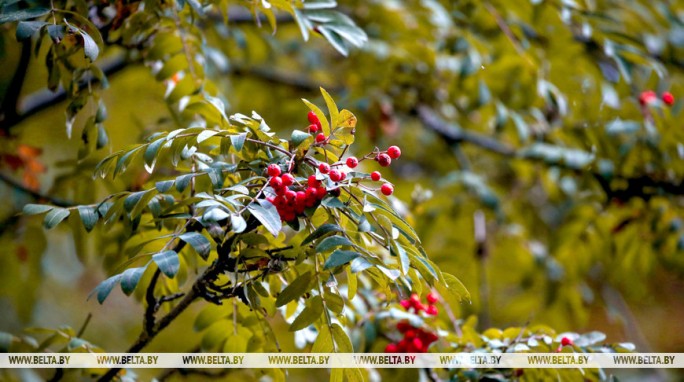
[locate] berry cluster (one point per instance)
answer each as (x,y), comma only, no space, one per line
(384,158)
(415,340)
(649,96)
(292,199)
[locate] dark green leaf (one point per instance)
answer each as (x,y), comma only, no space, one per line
(238,141)
(320,232)
(340,257)
(164,185)
(130,279)
(293,291)
(55,217)
(23,14)
(200,243)
(167,262)
(237,223)
(26,29)
(151,151)
(332,242)
(35,209)
(267,215)
(88,217)
(298,137)
(105,287)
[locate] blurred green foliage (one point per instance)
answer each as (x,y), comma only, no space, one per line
(530,170)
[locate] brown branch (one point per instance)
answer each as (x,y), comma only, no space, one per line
(37,195)
(8,108)
(197,291)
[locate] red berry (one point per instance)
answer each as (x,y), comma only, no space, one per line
(301,197)
(404,326)
(394,152)
(565,341)
(431,298)
(391,348)
(290,195)
(276,182)
(432,310)
(410,334)
(343,175)
(384,159)
(312,181)
(387,189)
(313,128)
(668,98)
(352,162)
(376,175)
(321,192)
(419,307)
(335,176)
(270,199)
(320,138)
(418,344)
(273,170)
(405,304)
(324,168)
(414,298)
(288,179)
(313,118)
(647,97)
(290,216)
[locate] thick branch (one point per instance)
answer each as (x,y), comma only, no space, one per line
(8,109)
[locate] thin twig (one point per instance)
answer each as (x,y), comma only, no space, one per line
(20,187)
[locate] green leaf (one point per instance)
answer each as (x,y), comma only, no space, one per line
(105,287)
(332,108)
(209,315)
(26,29)
(23,14)
(340,257)
(296,288)
(342,340)
(90,48)
(238,141)
(332,242)
(164,185)
(268,215)
(151,151)
(55,217)
(453,289)
(324,341)
(298,137)
(320,232)
(167,262)
(200,243)
(130,279)
(237,223)
(309,315)
(35,209)
(88,217)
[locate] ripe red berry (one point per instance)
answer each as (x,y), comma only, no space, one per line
(276,182)
(313,128)
(387,189)
(384,159)
(273,170)
(321,192)
(405,304)
(312,181)
(335,176)
(290,195)
(565,341)
(313,118)
(343,175)
(376,175)
(418,344)
(647,97)
(432,310)
(668,98)
(320,138)
(391,348)
(352,162)
(404,326)
(431,298)
(324,168)
(288,179)
(414,298)
(394,152)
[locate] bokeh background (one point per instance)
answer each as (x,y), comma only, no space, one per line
(518,120)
